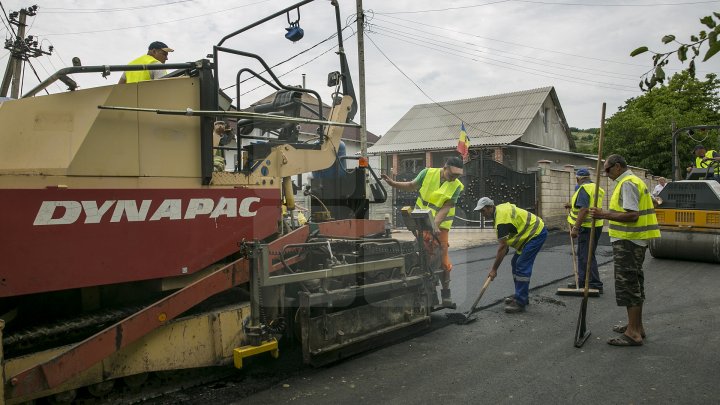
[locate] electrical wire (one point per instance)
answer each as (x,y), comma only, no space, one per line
(57,34)
(553,3)
(509,43)
(60,10)
(297,67)
(413,35)
(291,58)
(444,9)
(369,37)
(532,71)
(501,51)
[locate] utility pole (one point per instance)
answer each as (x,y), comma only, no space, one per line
(361,65)
(21,50)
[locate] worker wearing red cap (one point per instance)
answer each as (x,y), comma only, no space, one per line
(157,53)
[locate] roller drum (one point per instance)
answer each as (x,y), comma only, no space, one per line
(695,246)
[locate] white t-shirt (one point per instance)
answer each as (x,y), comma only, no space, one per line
(657,190)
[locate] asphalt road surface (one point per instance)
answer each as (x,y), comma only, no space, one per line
(526,358)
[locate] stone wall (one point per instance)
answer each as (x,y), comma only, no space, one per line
(555,188)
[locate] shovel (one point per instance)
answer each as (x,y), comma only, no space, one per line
(467,317)
(581,331)
(577,291)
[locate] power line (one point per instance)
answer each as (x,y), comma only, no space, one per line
(510,43)
(532,71)
(521,58)
(552,3)
(9,25)
(293,57)
(60,10)
(155,23)
(421,90)
(443,9)
(297,67)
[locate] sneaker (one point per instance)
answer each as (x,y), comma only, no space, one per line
(509,299)
(514,307)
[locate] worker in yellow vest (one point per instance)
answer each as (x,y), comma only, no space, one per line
(632,223)
(157,53)
(705,159)
(523,231)
(581,225)
(439,189)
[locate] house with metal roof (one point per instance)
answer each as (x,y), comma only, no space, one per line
(516,129)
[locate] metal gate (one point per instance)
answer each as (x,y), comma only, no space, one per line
(483,178)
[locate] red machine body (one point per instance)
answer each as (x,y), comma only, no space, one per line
(57,239)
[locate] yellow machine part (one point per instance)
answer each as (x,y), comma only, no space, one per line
(202,340)
(247,351)
(687,235)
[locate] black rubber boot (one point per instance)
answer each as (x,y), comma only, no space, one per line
(445,294)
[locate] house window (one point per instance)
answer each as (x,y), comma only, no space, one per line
(411,164)
(546,118)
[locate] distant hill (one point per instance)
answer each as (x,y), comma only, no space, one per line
(585,139)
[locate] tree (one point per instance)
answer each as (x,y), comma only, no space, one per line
(710,37)
(641,129)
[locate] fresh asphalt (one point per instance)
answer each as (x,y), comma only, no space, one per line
(526,358)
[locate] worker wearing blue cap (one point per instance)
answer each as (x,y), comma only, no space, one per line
(581,225)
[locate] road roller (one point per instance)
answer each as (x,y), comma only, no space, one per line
(689,213)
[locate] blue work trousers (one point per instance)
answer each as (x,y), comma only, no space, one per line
(522,265)
(582,258)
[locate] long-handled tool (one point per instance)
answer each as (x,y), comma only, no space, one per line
(581,332)
(576,291)
(575,266)
(467,317)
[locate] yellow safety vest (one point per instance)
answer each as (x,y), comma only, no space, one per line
(574,211)
(527,224)
(140,75)
(433,195)
(646,226)
(702,165)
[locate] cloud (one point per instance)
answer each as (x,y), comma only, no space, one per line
(459,53)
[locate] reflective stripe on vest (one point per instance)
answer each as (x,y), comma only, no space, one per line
(433,195)
(527,224)
(574,211)
(140,75)
(703,165)
(646,226)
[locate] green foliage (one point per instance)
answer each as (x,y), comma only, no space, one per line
(641,130)
(584,141)
(705,38)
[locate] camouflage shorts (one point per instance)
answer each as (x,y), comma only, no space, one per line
(629,276)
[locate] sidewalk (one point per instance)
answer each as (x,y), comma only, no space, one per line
(459,238)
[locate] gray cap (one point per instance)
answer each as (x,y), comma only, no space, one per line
(484,202)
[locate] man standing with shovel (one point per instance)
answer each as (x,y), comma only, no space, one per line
(523,231)
(632,223)
(581,224)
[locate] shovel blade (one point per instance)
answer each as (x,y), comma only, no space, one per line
(460,318)
(581,332)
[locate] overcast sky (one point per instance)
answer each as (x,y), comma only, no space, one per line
(450,49)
